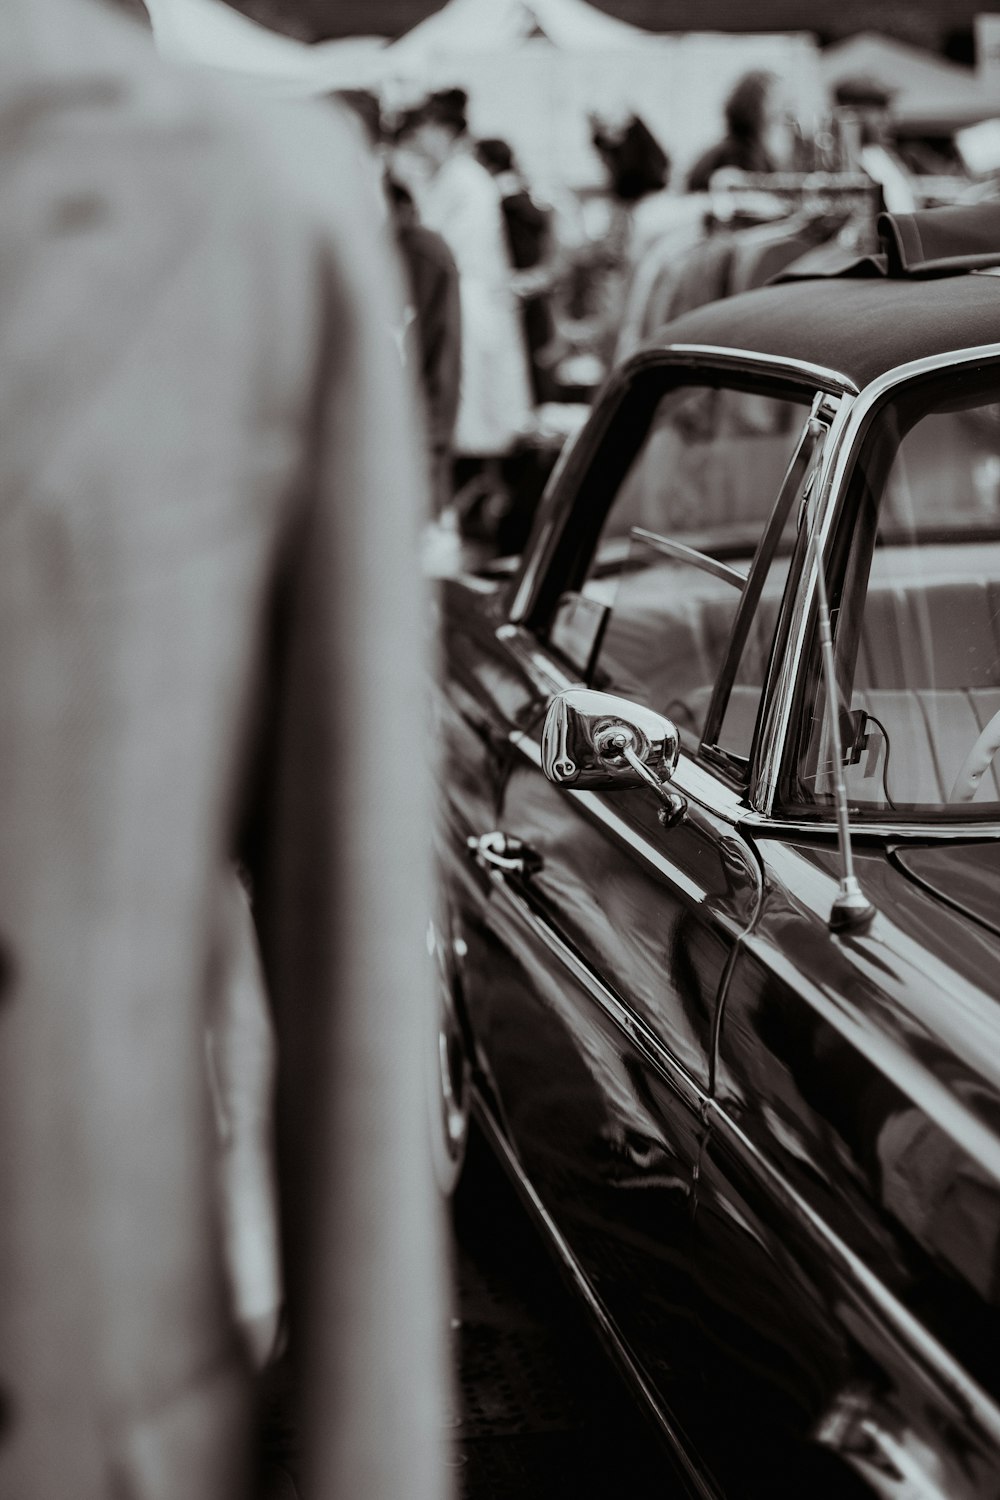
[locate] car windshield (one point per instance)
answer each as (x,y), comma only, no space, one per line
(915,602)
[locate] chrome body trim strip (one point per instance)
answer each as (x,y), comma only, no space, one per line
(761,825)
(914,368)
(708,791)
(947,1373)
(638,1033)
(598,808)
(543,674)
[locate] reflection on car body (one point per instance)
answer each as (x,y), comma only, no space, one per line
(765,1142)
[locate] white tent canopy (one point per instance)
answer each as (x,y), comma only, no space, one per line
(497,25)
(211,34)
(558,64)
(534,71)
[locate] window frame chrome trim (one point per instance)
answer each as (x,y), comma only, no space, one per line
(685,356)
(839,456)
(773,737)
(756,363)
(812,443)
(843,442)
(682,553)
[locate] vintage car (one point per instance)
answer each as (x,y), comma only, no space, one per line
(720,917)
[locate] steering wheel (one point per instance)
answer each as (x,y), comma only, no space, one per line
(977,762)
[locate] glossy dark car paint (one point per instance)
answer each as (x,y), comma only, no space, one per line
(768,1155)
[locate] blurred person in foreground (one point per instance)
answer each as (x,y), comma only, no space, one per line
(758,136)
(633,158)
(458,198)
(531,245)
(430,335)
(209,616)
(863,114)
(434,323)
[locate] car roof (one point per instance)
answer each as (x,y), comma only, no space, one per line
(859,328)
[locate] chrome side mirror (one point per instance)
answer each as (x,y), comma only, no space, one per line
(595,740)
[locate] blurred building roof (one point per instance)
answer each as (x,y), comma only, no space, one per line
(926,23)
(928,93)
(496,25)
(212,34)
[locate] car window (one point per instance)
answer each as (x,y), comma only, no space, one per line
(917,630)
(653,617)
(945,476)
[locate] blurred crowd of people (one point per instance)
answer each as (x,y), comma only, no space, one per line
(199,587)
(520,302)
(480,254)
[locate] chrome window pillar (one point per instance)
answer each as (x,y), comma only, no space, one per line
(555,511)
(846,433)
(778,709)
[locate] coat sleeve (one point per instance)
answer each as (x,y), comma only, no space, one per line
(340,863)
(440,317)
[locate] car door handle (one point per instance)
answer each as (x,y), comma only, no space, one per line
(501,851)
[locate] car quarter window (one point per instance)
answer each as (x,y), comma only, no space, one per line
(653,616)
(915,596)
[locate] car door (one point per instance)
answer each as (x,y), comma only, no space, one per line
(593,993)
(848,1224)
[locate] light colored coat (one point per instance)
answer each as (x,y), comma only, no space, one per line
(209,626)
(462,203)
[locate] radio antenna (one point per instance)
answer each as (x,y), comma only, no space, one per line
(851,910)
